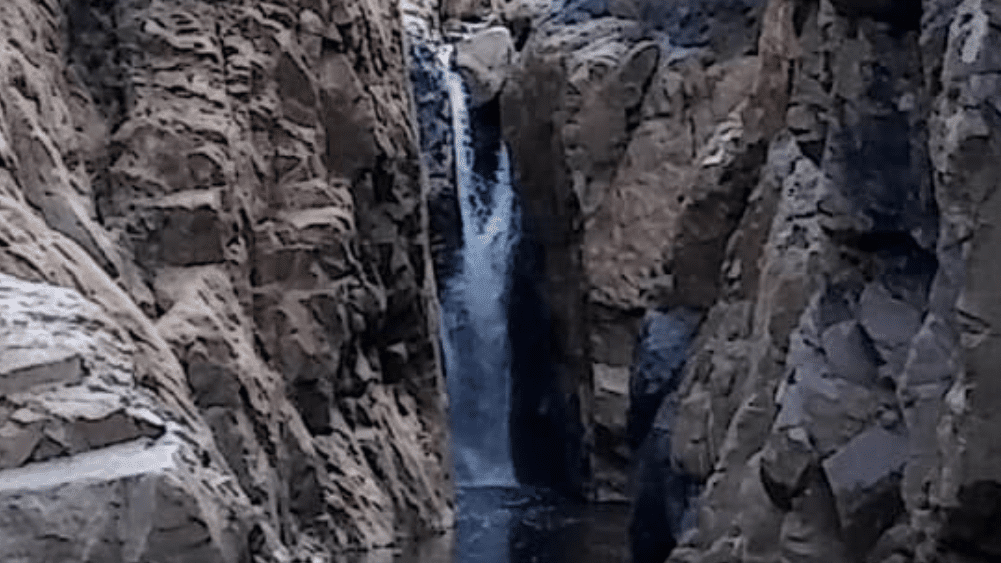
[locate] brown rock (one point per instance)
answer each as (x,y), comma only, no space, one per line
(233,194)
(123,503)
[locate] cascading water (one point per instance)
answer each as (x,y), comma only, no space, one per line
(474,301)
(476,234)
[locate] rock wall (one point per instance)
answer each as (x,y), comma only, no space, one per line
(822,192)
(626,150)
(216,286)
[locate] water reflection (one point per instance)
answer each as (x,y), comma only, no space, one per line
(519,525)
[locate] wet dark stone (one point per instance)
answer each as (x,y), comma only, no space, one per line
(435,132)
(656,371)
(972,527)
(546,433)
(661,495)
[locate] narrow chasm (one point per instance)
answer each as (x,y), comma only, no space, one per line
(509,420)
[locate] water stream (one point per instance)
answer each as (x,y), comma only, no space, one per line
(474,301)
(518,525)
(498,520)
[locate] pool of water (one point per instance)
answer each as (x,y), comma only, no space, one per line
(520,525)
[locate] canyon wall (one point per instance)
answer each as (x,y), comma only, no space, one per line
(815,181)
(217,313)
(627,150)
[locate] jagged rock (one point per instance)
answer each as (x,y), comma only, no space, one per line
(25,369)
(785,462)
(850,169)
(206,208)
(75,450)
(810,532)
(129,502)
(659,358)
(761,524)
(865,478)
(661,493)
(604,116)
(888,321)
(891,323)
(850,353)
(611,405)
(657,166)
(896,542)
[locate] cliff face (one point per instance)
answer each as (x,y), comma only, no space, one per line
(817,180)
(218,323)
(846,434)
(633,178)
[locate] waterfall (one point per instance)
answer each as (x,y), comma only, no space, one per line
(474,299)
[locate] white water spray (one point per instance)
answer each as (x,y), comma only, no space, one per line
(475,341)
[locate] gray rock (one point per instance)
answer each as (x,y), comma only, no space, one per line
(785,461)
(138,501)
(865,478)
(484,59)
(888,321)
(24,369)
(850,353)
(932,355)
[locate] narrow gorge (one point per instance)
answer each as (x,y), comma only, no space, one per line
(500,281)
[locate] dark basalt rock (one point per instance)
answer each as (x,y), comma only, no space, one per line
(903,15)
(661,494)
(972,527)
(660,355)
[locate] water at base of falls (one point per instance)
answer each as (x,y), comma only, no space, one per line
(518,525)
(475,342)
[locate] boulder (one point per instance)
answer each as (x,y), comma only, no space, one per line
(484,59)
(850,353)
(135,501)
(865,477)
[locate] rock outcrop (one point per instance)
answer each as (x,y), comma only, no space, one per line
(819,180)
(633,174)
(218,326)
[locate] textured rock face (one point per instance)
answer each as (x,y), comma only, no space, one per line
(824,193)
(212,225)
(856,352)
(633,176)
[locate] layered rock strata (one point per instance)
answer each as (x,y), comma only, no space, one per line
(218,337)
